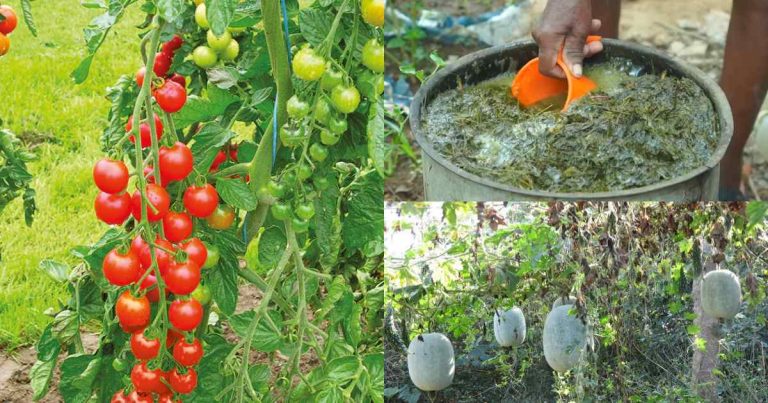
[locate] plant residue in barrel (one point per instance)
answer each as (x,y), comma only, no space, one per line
(634,130)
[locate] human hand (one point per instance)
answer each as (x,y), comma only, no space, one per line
(565,24)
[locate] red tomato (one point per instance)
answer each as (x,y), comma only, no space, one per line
(140,73)
(158,197)
(150,282)
(121,269)
(201,201)
(177,226)
(144,348)
(178,78)
(5,44)
(147,380)
(110,176)
(136,397)
(172,45)
(132,312)
(167,399)
(138,245)
(175,162)
(182,278)
(221,218)
(188,354)
(112,209)
(233,153)
(163,258)
(144,131)
(170,96)
(218,160)
(183,383)
(162,64)
(196,251)
(9,23)
(185,315)
(119,397)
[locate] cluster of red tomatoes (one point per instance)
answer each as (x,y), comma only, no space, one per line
(174,253)
(7,25)
(171,92)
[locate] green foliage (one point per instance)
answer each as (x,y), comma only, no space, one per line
(629,267)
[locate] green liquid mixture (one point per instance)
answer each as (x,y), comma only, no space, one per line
(632,131)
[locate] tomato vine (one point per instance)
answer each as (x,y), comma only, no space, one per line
(298,220)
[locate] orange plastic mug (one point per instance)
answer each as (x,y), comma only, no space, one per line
(531,87)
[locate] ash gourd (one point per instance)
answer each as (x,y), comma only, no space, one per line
(509,327)
(430,362)
(721,294)
(565,339)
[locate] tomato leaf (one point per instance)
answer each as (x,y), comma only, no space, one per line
(207,143)
(223,77)
(365,214)
(66,326)
(265,338)
(378,148)
(171,10)
(55,270)
(236,193)
(223,284)
(78,373)
(259,375)
(40,377)
(351,325)
(198,109)
(315,25)
(342,369)
(374,363)
(220,13)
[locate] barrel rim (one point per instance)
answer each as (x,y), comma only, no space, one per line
(710,87)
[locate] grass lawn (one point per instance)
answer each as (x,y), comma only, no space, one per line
(40,103)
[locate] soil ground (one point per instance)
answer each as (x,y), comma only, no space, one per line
(682,28)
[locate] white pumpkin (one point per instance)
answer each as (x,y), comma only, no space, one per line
(562,301)
(761,134)
(430,362)
(565,339)
(721,294)
(509,327)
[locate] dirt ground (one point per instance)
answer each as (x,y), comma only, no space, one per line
(693,31)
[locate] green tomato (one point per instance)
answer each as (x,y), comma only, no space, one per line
(297,108)
(202,294)
(119,364)
(329,138)
(338,126)
(322,183)
(204,57)
(280,211)
(236,31)
(322,111)
(380,84)
(331,79)
(308,65)
(318,152)
(290,138)
(304,172)
(305,211)
(275,189)
(345,99)
(300,225)
(289,180)
(373,55)
(213,256)
(200,18)
(231,52)
(218,43)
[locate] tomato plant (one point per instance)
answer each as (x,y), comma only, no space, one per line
(206,106)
